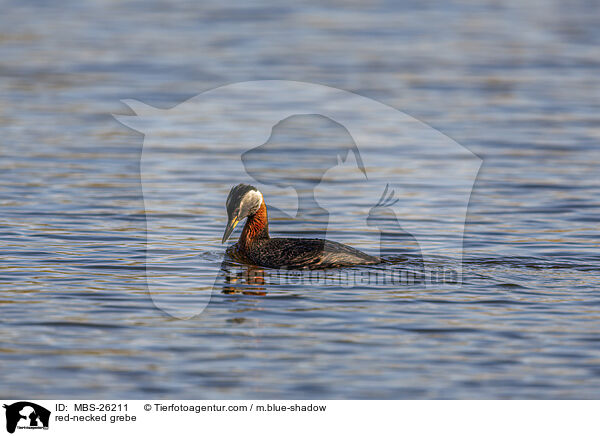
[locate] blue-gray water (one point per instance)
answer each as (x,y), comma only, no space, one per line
(518,84)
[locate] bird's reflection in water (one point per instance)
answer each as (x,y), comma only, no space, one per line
(243,279)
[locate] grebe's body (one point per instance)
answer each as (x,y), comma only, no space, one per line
(255,246)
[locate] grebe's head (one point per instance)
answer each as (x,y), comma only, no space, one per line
(242,201)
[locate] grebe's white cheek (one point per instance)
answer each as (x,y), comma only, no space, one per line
(255,197)
(251,201)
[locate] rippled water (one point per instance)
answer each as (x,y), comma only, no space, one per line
(518,85)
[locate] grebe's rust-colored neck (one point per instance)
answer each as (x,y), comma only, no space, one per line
(256,227)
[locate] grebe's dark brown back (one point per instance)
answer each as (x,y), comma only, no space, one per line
(255,246)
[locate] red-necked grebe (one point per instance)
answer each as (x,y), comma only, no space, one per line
(255,246)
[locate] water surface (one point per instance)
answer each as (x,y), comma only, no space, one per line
(516,84)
